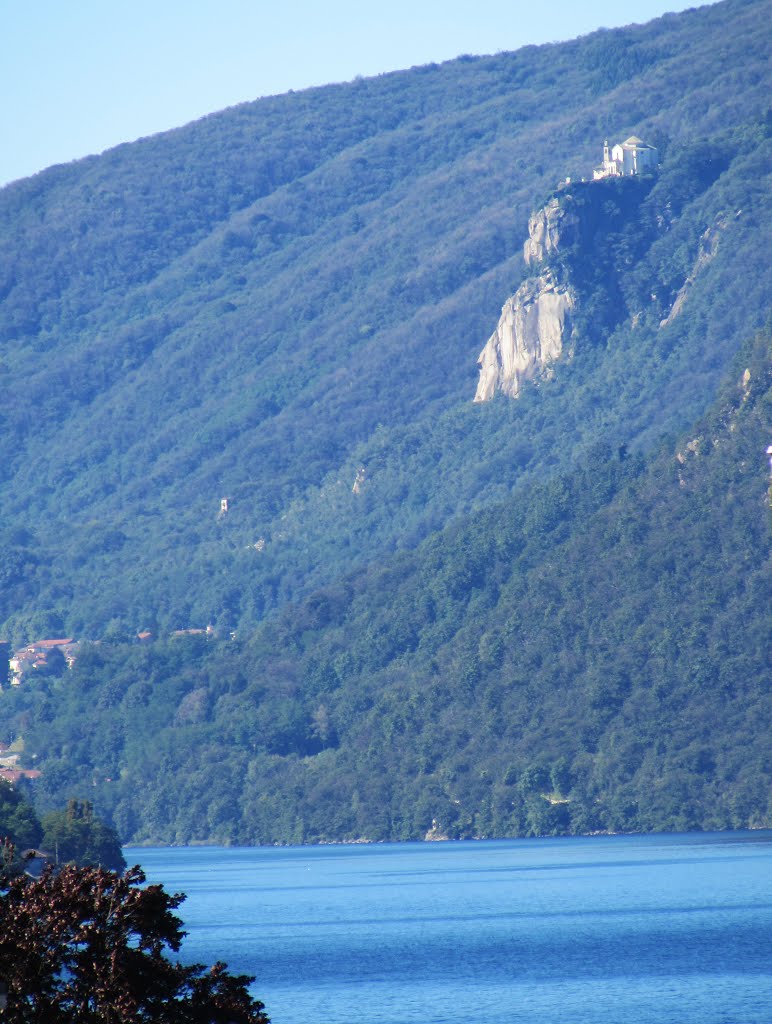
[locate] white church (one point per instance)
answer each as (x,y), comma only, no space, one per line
(630,157)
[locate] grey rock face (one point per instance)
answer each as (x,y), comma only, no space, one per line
(548,228)
(536,320)
(528,338)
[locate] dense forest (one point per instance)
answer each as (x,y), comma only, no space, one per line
(529,617)
(589,655)
(259,304)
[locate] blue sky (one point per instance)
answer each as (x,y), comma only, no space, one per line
(79,77)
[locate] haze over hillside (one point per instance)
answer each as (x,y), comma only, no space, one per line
(256,304)
(283,306)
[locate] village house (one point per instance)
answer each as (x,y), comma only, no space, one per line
(209,632)
(38,656)
(13,775)
(630,157)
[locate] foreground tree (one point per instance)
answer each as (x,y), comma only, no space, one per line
(89,945)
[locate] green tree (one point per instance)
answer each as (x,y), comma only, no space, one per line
(75,835)
(18,820)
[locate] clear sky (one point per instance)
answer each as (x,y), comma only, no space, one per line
(81,76)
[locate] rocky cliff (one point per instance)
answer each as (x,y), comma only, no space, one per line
(529,337)
(536,320)
(555,224)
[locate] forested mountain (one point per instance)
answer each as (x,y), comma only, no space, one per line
(258,304)
(542,614)
(590,654)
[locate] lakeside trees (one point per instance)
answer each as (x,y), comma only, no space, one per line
(75,835)
(82,942)
(18,820)
(93,946)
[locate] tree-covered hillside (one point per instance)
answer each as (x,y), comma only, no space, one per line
(534,616)
(589,655)
(260,304)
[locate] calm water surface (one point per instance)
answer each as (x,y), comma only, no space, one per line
(644,929)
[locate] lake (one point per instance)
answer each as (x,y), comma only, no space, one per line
(648,929)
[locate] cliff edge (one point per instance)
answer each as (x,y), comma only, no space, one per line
(536,321)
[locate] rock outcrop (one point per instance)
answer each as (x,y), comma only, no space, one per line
(536,320)
(528,338)
(553,225)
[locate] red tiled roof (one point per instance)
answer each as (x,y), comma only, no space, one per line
(14,774)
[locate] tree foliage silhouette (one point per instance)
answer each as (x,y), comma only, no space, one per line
(88,945)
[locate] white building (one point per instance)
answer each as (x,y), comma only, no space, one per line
(630,157)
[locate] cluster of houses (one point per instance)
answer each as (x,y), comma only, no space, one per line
(40,656)
(52,655)
(9,765)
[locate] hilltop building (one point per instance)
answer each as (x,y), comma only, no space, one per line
(630,157)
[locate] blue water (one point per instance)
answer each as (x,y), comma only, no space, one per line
(643,929)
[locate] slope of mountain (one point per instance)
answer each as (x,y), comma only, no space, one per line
(542,614)
(589,655)
(265,302)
